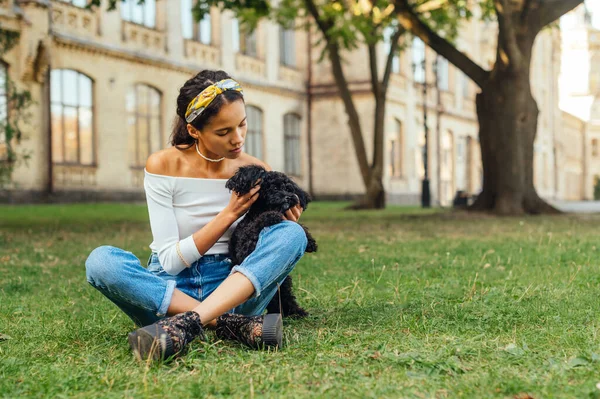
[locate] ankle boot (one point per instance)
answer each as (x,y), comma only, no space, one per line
(254,331)
(166,338)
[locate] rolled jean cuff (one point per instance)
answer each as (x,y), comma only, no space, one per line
(250,276)
(164,306)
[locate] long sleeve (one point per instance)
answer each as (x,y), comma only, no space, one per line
(163,223)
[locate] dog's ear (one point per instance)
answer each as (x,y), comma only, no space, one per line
(245,178)
(304,198)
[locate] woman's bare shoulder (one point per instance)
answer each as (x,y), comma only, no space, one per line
(247,159)
(164,162)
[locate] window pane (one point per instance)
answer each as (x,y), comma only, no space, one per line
(132,140)
(143,140)
(154,101)
(80,3)
(235,35)
(418,56)
(70,137)
(442,73)
(55,85)
(142,100)
(205,30)
(126,9)
(155,136)
(85,91)
(251,44)
(69,87)
(130,100)
(85,136)
(137,12)
(187,20)
(150,13)
(57,133)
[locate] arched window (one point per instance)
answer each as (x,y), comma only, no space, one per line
(199,31)
(139,13)
(143,123)
(254,135)
(72,117)
(291,134)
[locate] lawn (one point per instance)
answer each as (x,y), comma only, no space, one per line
(404,303)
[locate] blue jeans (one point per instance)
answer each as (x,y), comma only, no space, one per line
(144,294)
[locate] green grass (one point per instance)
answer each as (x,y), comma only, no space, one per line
(404,303)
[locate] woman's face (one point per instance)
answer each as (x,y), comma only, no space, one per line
(224,135)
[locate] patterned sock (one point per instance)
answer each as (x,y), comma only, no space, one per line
(182,329)
(245,329)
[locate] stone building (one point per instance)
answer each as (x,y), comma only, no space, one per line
(105,85)
(580,101)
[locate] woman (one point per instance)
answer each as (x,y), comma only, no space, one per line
(189,276)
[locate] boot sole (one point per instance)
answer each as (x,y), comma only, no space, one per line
(272,330)
(150,342)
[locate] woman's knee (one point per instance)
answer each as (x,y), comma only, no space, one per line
(100,264)
(294,235)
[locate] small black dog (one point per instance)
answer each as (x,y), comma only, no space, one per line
(278,193)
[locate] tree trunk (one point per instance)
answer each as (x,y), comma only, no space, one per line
(508,114)
(374,197)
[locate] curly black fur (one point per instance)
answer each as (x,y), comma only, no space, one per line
(278,193)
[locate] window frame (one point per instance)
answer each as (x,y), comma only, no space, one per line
(253,132)
(78,108)
(287,47)
(132,4)
(135,161)
(291,135)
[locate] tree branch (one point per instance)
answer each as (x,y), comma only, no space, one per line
(390,58)
(410,21)
(525,11)
(507,35)
(374,69)
(551,10)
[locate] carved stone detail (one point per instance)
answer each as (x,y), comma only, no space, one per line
(145,39)
(74,176)
(200,53)
(250,65)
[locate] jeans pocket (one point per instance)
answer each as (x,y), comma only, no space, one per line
(154,266)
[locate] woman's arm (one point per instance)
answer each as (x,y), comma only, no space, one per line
(208,235)
(175,254)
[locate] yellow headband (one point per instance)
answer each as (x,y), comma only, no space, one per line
(203,100)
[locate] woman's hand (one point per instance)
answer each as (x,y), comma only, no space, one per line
(293,214)
(239,204)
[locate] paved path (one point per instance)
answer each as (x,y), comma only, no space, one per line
(578,206)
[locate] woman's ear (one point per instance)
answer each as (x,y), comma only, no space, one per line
(245,178)
(192,131)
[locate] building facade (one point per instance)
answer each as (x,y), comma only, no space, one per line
(105,84)
(580,101)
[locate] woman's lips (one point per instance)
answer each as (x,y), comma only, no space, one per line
(237,150)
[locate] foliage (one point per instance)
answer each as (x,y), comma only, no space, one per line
(11,129)
(404,303)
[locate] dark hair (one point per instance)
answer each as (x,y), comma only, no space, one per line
(191,88)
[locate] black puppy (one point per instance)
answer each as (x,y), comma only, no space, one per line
(278,193)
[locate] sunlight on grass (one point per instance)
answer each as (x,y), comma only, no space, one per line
(404,303)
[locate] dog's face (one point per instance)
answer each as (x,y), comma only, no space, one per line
(277,191)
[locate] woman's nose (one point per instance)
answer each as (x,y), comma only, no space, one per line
(238,137)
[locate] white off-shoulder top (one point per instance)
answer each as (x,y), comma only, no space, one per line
(178,207)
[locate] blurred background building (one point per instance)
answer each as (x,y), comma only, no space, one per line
(105,85)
